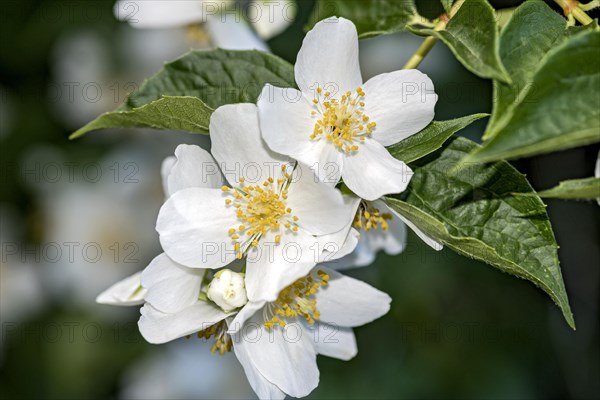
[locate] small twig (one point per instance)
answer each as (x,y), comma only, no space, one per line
(427,45)
(572,7)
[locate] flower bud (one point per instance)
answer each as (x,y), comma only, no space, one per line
(228,290)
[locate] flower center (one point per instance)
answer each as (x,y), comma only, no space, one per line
(223,342)
(343,122)
(297,300)
(260,209)
(368,217)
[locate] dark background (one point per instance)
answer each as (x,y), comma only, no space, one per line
(457,328)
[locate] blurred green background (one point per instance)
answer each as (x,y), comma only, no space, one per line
(78,216)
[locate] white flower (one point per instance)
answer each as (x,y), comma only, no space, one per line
(223,20)
(339,126)
(276,342)
(281,221)
(380,228)
(228,290)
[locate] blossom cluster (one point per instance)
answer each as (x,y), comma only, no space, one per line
(255,232)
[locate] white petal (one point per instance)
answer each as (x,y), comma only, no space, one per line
(426,238)
(158,327)
(371,172)
(285,357)
(341,243)
(334,250)
(286,122)
(159,13)
(127,292)
(194,167)
(193,225)
(325,160)
(320,208)
(171,286)
(263,388)
(334,341)
(347,302)
(329,58)
(245,314)
(229,31)
(238,147)
(271,268)
(362,256)
(165,170)
(401,103)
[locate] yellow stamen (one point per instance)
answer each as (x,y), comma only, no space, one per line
(223,343)
(297,300)
(342,121)
(368,217)
(261,208)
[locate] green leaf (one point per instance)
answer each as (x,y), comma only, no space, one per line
(472,35)
(574,189)
(532,31)
(430,138)
(188,114)
(216,77)
(183,94)
(573,30)
(558,110)
(371,17)
(475,213)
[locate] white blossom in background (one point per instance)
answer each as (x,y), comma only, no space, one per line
(82,77)
(95,219)
(84,80)
(144,52)
(339,126)
(185,370)
(224,20)
(270,18)
(280,221)
(21,290)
